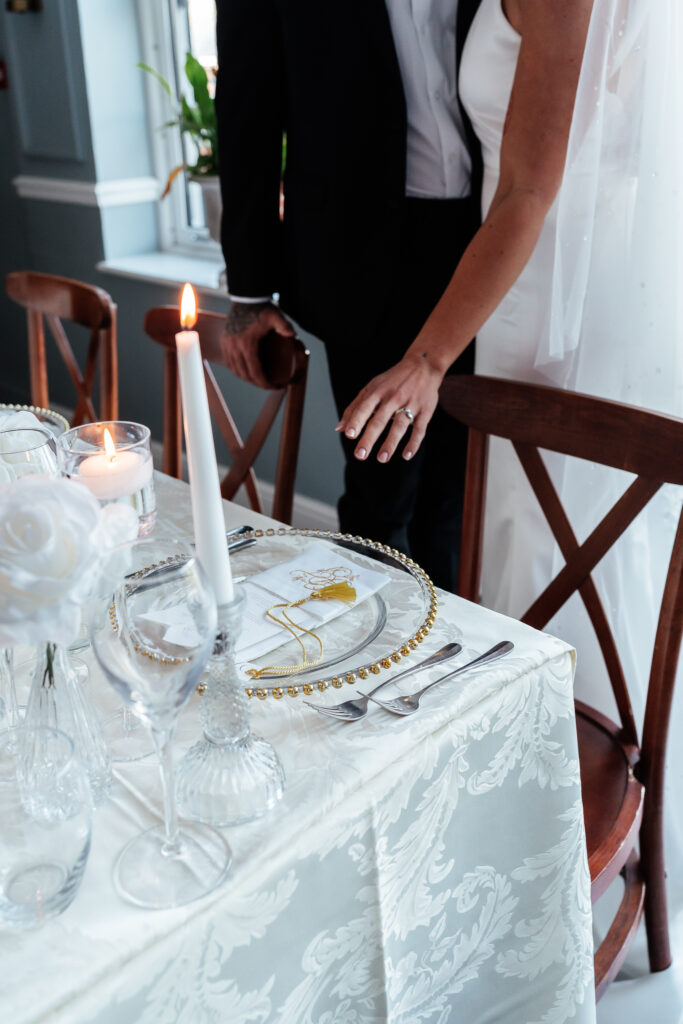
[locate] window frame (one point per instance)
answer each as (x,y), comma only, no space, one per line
(164,39)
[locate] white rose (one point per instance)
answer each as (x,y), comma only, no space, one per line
(53,543)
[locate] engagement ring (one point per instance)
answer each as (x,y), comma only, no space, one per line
(407,412)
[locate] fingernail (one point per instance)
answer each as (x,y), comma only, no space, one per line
(383,456)
(350,432)
(361,453)
(407,455)
(340,426)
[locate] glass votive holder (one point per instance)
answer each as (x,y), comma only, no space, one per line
(114,461)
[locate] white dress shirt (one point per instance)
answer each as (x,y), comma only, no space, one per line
(438,164)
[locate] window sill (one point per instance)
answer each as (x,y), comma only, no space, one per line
(167,268)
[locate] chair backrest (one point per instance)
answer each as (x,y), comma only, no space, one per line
(53,299)
(609,434)
(285,364)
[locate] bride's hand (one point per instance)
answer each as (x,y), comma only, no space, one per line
(411,385)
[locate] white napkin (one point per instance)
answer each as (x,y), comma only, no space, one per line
(316,567)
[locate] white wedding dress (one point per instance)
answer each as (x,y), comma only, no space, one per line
(613,271)
(507,343)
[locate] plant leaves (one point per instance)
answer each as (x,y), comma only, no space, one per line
(155,74)
(191,117)
(199,122)
(171,178)
(206,164)
(196,76)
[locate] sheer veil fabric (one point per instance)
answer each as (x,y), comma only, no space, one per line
(616,322)
(599,309)
(618,252)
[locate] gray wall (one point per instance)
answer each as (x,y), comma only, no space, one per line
(75,110)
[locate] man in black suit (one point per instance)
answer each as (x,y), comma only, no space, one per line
(381,197)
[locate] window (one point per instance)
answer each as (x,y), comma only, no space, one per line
(169,28)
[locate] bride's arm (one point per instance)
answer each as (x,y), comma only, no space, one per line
(533,153)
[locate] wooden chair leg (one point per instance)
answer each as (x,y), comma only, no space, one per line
(37,363)
(173,421)
(614,947)
(656,915)
(109,371)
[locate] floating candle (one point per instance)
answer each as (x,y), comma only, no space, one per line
(115,473)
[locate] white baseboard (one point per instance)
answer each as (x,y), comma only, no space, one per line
(308,513)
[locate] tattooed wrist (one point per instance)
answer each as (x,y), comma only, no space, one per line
(243,315)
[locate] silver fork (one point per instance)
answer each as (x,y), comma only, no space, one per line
(409,704)
(357,707)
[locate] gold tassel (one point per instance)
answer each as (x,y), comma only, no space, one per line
(334,592)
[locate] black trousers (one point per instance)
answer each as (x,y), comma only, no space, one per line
(415,506)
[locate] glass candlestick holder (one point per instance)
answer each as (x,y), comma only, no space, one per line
(114,461)
(230,776)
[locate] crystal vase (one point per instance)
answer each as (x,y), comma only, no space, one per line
(230,776)
(56,701)
(9,714)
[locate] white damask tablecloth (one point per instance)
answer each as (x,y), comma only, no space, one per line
(429,869)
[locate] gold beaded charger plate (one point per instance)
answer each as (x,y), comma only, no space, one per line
(363,642)
(57,423)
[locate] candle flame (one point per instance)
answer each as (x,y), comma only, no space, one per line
(188,307)
(109,446)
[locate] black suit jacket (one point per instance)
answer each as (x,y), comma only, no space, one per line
(326,72)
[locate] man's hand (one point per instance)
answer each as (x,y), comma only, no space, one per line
(246,324)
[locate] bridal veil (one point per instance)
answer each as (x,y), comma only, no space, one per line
(615,325)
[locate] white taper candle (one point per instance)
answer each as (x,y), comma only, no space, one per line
(207,510)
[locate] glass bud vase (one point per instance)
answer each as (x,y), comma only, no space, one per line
(9,713)
(230,776)
(56,701)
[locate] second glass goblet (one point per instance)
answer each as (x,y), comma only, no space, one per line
(152,638)
(25,450)
(114,461)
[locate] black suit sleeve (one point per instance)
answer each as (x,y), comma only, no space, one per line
(250,113)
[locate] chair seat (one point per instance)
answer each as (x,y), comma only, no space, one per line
(612,797)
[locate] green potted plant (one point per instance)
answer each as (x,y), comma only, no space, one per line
(199,123)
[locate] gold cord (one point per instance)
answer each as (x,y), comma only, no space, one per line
(334,592)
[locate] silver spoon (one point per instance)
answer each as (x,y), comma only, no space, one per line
(409,704)
(357,707)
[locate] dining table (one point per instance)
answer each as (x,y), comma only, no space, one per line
(426,869)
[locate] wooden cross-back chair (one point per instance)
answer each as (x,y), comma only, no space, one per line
(285,364)
(51,299)
(622,777)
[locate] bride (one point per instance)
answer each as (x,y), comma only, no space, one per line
(575,279)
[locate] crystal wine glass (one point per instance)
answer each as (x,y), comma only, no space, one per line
(25,450)
(152,638)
